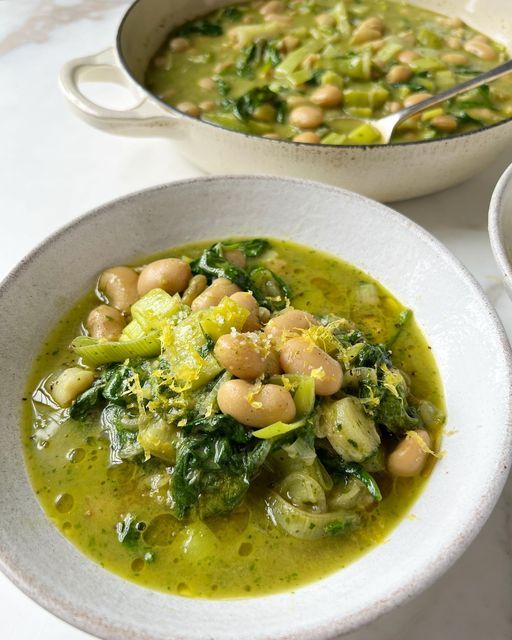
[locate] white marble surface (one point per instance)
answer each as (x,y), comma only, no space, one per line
(53,167)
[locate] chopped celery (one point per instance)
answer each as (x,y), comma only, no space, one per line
(344,125)
(300,77)
(426,116)
(330,77)
(427,84)
(334,138)
(360,112)
(427,64)
(132,331)
(294,59)
(484,115)
(427,134)
(226,120)
(445,79)
(304,397)
(259,127)
(388,51)
(331,51)
(402,92)
(227,315)
(342,20)
(277,429)
(96,352)
(366,95)
(158,438)
(367,294)
(429,38)
(197,541)
(358,66)
(189,355)
(246,34)
(365,134)
(356,97)
(154,308)
(188,346)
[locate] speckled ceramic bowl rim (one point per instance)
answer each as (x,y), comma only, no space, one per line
(496,221)
(447,555)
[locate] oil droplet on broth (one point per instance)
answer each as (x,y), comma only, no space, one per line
(75,455)
(245,549)
(184,589)
(137,565)
(64,502)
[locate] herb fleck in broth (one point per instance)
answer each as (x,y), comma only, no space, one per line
(119,516)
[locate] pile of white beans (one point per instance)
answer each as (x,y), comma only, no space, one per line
(266,346)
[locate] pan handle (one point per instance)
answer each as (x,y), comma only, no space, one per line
(144,119)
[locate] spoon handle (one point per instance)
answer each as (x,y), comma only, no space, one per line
(478,80)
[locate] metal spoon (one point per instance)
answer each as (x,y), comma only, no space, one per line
(386,125)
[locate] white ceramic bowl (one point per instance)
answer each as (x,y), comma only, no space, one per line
(500,226)
(384,172)
(466,337)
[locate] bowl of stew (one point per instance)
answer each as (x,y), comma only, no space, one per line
(235,426)
(282,87)
(500,227)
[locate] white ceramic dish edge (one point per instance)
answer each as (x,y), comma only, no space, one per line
(498,220)
(28,583)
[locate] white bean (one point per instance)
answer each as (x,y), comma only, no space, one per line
(301,356)
(170,274)
(256,405)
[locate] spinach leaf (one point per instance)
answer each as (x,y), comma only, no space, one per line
(113,385)
(395,413)
(216,460)
(245,106)
(268,288)
(201,27)
(475,98)
(259,53)
(212,264)
(372,355)
(316,78)
(412,85)
(463,117)
(250,248)
(86,401)
(465,70)
(116,383)
(337,467)
(233,14)
(393,410)
(223,87)
(356,470)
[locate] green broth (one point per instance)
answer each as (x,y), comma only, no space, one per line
(255,86)
(85,498)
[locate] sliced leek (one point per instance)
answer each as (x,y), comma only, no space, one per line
(154,308)
(96,352)
(307,525)
(278,429)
